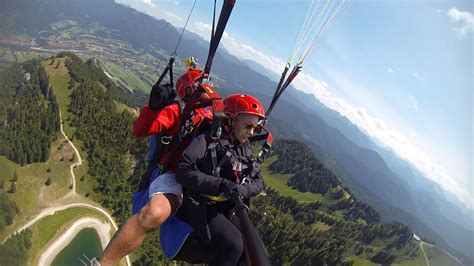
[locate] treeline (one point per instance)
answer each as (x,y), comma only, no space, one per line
(29,113)
(285,227)
(107,137)
(91,70)
(8,211)
(111,149)
(357,230)
(15,250)
(309,174)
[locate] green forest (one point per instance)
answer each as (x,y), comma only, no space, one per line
(107,136)
(352,227)
(29,122)
(15,250)
(29,113)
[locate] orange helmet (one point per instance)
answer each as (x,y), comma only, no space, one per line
(237,104)
(187,80)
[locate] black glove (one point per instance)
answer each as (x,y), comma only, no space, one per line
(161,96)
(244,190)
(256,169)
(229,188)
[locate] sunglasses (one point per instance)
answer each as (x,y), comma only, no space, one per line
(250,126)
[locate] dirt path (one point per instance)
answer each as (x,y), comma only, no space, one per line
(424,253)
(70,200)
(78,156)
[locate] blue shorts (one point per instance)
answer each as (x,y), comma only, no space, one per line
(164,184)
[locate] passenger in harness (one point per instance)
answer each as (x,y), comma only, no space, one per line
(172,124)
(212,170)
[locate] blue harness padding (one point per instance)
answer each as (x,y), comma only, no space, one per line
(140,198)
(151,152)
(173,234)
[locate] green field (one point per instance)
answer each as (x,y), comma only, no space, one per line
(59,79)
(279,183)
(31,192)
(126,77)
(357,261)
(8,168)
(8,57)
(321,226)
(439,257)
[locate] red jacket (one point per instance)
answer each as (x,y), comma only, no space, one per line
(167,120)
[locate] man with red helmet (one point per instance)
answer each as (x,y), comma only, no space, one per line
(162,115)
(211,170)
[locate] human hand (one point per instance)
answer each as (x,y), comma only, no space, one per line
(160,96)
(230,188)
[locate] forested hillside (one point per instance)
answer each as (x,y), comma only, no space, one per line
(15,250)
(333,230)
(8,209)
(29,123)
(107,138)
(29,113)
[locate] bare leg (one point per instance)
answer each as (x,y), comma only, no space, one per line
(130,236)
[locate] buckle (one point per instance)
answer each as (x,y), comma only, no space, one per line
(166,139)
(246,181)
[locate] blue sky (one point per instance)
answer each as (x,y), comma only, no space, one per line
(400,70)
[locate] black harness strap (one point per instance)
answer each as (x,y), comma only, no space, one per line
(217,35)
(169,68)
(212,148)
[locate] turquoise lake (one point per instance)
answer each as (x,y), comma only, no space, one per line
(86,242)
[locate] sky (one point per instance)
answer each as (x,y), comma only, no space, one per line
(402,71)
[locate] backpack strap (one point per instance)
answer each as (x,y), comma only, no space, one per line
(216,166)
(169,68)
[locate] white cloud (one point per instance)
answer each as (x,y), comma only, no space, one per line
(465,18)
(415,75)
(176,2)
(379,129)
(243,51)
(172,16)
(202,29)
(390,70)
(150,3)
(414,102)
(324,84)
(439,11)
(413,133)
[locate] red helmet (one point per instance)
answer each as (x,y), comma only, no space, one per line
(187,80)
(237,104)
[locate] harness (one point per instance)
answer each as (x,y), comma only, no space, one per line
(240,163)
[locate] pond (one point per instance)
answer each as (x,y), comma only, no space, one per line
(85,243)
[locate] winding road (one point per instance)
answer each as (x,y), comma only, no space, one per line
(424,253)
(79,159)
